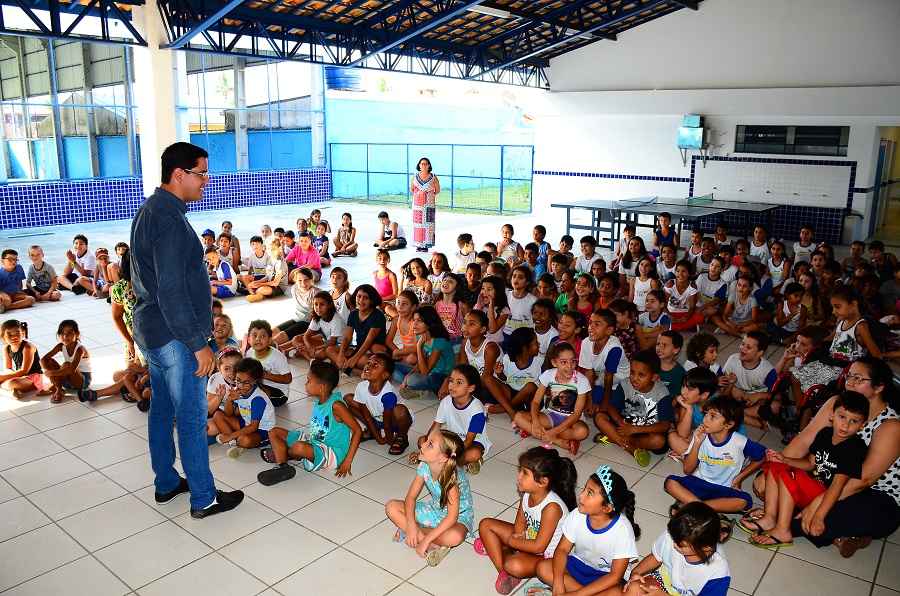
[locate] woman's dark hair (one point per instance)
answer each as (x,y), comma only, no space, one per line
(67,323)
(547,304)
(329,302)
(350,215)
(622,499)
(697,525)
(250,366)
(432,320)
(559,471)
(445,264)
(686,264)
(183,156)
(882,376)
(125,265)
(471,375)
(580,321)
(500,301)
(518,340)
(419,164)
(627,259)
(371,292)
(12,324)
(698,345)
(847,294)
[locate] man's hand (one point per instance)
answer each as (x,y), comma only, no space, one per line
(205,362)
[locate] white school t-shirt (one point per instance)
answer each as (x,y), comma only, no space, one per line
(519,312)
(259,265)
(752,380)
(333,328)
(690,579)
(217,380)
(462,421)
(583,264)
(258,404)
(599,547)
(720,464)
(611,359)
(377,403)
(545,340)
(519,377)
(276,363)
(87,261)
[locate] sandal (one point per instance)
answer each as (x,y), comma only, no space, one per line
(126,397)
(574,446)
(602,439)
(365,436)
(726,527)
(399,536)
(506,583)
(848,546)
(268,455)
(673,508)
(755,513)
(436,555)
(275,475)
(57,397)
(775,542)
(751,526)
(401,442)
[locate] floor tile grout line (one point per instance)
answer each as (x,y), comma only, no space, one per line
(763,574)
(823,566)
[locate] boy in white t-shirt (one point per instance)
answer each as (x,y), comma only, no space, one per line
(256,263)
(466,253)
(378,406)
(247,415)
(80,265)
(715,462)
(749,377)
(588,255)
(277,379)
(223,282)
(602,358)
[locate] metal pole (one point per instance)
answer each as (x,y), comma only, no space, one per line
(368,195)
(57,114)
(452,184)
(501,178)
(134,155)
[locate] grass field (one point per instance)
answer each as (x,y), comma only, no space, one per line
(516,198)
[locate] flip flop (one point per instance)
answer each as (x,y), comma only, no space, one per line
(751,526)
(276,475)
(726,527)
(776,543)
(602,439)
(399,536)
(478,547)
(642,457)
(755,513)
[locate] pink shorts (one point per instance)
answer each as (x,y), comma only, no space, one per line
(37,379)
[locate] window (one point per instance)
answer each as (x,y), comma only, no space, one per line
(793,140)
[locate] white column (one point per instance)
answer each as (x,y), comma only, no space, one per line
(156,92)
(317,115)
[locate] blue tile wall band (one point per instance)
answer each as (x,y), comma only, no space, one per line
(612,176)
(64,202)
(827,222)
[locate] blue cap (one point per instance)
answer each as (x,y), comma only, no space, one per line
(208,232)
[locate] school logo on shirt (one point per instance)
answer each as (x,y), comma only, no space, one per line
(723,458)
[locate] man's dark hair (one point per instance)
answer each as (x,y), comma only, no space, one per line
(180,156)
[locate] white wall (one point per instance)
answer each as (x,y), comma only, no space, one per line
(785,57)
(745,44)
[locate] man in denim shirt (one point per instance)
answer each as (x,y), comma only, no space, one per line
(172,322)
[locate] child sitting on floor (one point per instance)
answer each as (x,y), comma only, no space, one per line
(434,526)
(277,375)
(329,442)
(75,371)
(247,414)
(699,385)
(835,456)
(379,407)
(714,463)
(21,361)
(223,282)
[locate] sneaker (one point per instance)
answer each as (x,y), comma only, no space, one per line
(143,405)
(221,441)
(78,290)
(87,395)
(642,457)
(235,452)
(224,501)
(163,498)
(473,468)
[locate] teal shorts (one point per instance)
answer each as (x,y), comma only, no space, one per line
(324,457)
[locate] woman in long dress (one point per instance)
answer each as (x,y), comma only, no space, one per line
(424,187)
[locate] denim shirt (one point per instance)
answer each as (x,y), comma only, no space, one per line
(168,276)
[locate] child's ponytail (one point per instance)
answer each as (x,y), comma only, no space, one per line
(452,447)
(617,494)
(559,471)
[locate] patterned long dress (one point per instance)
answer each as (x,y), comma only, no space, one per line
(424,211)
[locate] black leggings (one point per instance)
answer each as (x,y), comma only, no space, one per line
(867,513)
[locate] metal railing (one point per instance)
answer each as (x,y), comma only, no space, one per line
(491,178)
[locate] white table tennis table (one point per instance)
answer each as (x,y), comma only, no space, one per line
(609,216)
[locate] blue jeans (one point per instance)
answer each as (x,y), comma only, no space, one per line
(179,398)
(417,381)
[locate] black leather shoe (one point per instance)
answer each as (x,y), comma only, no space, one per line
(162,498)
(224,502)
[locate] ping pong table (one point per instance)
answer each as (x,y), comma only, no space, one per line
(608,216)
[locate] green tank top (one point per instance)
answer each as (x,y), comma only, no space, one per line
(325,428)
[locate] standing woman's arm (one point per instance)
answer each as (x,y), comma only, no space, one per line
(437,185)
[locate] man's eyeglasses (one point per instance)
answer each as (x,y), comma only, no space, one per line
(201,174)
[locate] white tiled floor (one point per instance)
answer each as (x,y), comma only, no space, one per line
(77,514)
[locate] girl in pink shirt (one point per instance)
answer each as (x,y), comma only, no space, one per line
(304,255)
